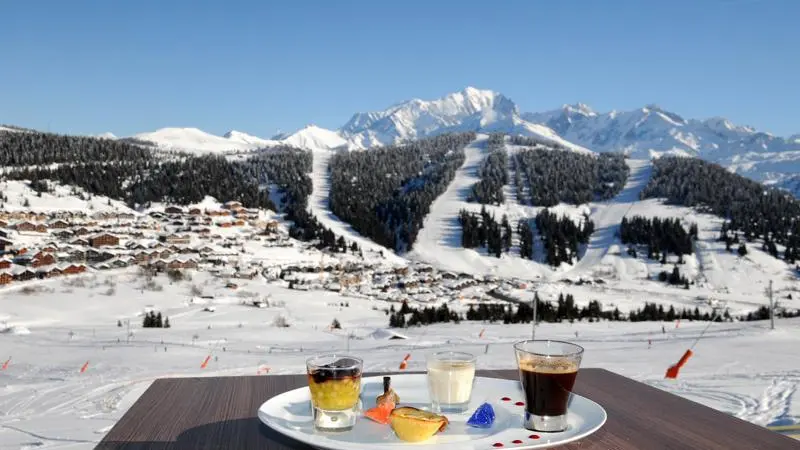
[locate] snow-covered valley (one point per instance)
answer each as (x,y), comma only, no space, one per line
(740,368)
(75,356)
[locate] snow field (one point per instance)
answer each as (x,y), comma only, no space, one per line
(740,368)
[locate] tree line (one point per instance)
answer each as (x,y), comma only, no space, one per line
(123,170)
(751,210)
(385,193)
(564,309)
(482,230)
(561,236)
(661,236)
(493,173)
(555,176)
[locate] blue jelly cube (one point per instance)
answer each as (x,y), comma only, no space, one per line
(483,417)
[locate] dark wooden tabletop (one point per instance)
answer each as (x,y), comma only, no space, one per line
(221,413)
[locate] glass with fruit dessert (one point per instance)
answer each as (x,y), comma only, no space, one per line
(451,376)
(335,385)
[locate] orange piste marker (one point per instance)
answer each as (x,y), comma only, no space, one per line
(672,372)
(205,362)
(5,364)
(85,366)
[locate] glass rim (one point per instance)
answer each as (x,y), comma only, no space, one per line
(468,357)
(578,350)
(335,356)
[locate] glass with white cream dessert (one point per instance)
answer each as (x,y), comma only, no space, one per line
(450,379)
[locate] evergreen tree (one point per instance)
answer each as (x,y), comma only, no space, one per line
(742,250)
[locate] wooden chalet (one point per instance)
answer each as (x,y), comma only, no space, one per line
(5,244)
(23,273)
(25,226)
(103,240)
(73,269)
(45,259)
(58,224)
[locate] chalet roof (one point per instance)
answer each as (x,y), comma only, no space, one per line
(101,234)
(18,270)
(47,268)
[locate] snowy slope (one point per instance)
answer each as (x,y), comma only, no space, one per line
(65,198)
(244,138)
(439,240)
(319,206)
(468,110)
(106,135)
(652,131)
(314,137)
(743,369)
(194,140)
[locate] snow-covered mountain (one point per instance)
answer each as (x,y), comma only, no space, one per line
(468,110)
(652,131)
(247,139)
(314,137)
(106,135)
(194,140)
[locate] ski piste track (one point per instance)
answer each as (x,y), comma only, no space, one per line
(608,215)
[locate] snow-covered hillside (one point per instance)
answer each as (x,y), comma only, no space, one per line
(314,137)
(651,131)
(641,133)
(194,140)
(468,110)
(743,369)
(66,198)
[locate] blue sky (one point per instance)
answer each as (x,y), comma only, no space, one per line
(90,66)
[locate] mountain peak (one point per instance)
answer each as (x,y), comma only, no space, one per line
(579,108)
(195,140)
(106,135)
(315,138)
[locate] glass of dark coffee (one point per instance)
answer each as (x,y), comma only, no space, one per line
(547,371)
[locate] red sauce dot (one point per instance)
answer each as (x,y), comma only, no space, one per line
(520,403)
(534,436)
(497,444)
(516,441)
(505,399)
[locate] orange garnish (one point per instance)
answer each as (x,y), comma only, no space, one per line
(381,412)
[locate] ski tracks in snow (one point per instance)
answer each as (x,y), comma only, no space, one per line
(439,240)
(319,204)
(772,407)
(608,215)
